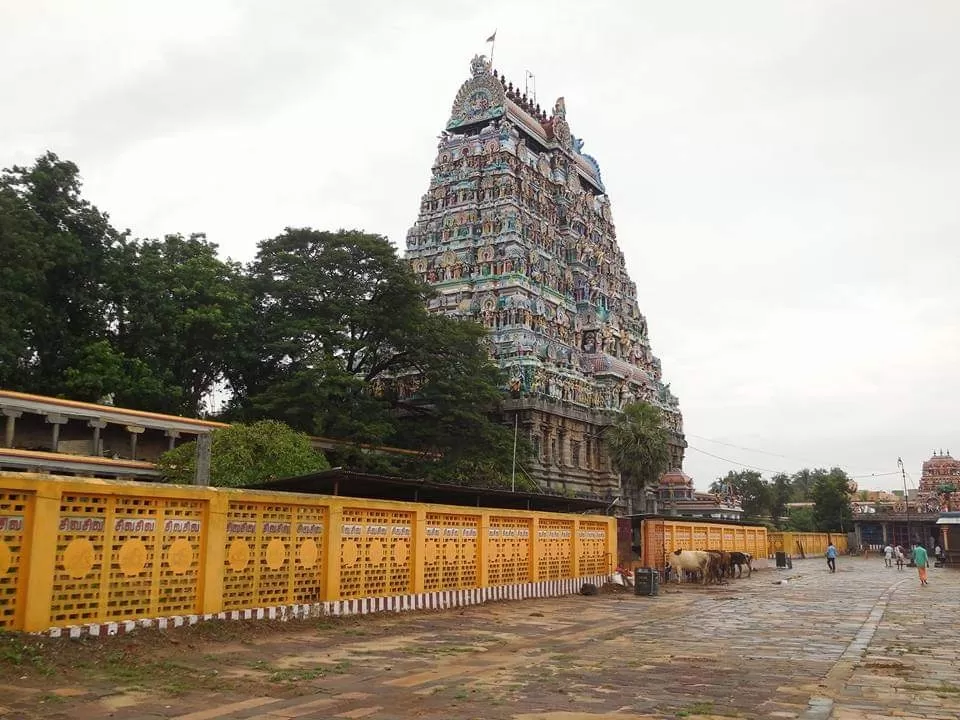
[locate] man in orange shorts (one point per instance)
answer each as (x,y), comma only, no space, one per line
(920,558)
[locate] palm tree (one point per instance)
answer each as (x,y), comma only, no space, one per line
(637,443)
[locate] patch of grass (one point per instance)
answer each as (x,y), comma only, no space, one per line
(438,650)
(294,675)
(298,674)
(944,688)
(171,677)
(17,651)
(699,708)
(51,698)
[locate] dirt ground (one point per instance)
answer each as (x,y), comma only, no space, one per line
(753,648)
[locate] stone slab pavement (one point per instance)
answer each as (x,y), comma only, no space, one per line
(865,643)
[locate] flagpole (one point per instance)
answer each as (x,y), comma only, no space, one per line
(493,44)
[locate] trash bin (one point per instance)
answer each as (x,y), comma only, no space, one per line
(781,559)
(646,581)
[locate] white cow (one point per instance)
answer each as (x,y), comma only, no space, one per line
(692,560)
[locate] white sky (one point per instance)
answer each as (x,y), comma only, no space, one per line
(784,175)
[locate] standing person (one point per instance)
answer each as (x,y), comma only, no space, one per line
(920,558)
(938,555)
(832,557)
(900,559)
(888,556)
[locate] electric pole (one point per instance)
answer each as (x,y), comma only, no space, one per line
(906,500)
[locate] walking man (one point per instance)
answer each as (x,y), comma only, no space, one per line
(900,558)
(888,556)
(832,557)
(920,558)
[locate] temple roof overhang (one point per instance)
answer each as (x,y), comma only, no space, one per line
(949,518)
(44,405)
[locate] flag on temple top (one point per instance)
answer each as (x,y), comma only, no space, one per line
(492,37)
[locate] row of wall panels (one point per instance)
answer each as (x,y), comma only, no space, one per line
(79,551)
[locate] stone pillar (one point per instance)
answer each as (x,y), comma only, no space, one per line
(135,431)
(172,436)
(56,421)
(11,416)
(97,426)
(883,527)
(204,445)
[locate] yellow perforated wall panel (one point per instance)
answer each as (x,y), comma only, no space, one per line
(15,510)
(451,547)
(126,557)
(375,552)
(594,558)
(510,547)
(555,538)
(274,555)
(77,575)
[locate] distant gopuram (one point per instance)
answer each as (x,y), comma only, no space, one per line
(516,232)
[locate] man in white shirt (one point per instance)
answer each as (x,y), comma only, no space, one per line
(888,556)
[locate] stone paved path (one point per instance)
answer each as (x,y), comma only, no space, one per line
(863,644)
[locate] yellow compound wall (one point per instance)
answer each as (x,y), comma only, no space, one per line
(662,537)
(84,551)
(797,543)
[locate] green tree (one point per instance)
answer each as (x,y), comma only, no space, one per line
(454,412)
(801,520)
(637,443)
(802,485)
(335,314)
(242,455)
(755,494)
(831,496)
(55,251)
(345,347)
(183,313)
(780,492)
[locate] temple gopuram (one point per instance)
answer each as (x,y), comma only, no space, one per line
(516,232)
(940,482)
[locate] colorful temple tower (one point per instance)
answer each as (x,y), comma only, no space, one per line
(516,232)
(940,483)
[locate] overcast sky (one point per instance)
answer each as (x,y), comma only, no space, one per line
(784,175)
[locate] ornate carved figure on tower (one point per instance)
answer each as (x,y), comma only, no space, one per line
(515,232)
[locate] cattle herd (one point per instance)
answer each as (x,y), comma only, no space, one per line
(709,566)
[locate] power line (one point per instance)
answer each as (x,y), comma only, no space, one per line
(738,447)
(772,454)
(735,462)
(769,470)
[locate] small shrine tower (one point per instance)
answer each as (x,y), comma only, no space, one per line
(516,232)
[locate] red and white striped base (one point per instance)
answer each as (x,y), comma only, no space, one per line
(439,600)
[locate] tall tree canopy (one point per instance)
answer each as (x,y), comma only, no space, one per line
(55,253)
(151,324)
(345,347)
(177,306)
(832,511)
(638,448)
